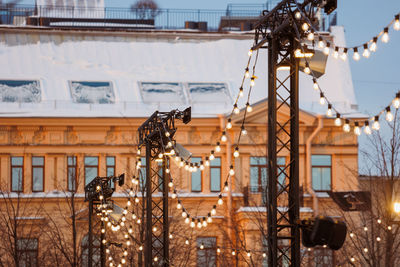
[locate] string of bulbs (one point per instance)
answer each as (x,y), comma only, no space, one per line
(367,124)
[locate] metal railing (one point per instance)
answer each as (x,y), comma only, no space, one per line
(232,19)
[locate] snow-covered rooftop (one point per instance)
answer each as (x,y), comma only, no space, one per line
(84,74)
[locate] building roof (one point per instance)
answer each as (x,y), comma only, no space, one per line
(59,73)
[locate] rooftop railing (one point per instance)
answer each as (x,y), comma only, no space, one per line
(231,19)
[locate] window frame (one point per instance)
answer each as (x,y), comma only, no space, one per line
(38,167)
(22,173)
(75,158)
(214,249)
(198,172)
(220,174)
(259,168)
(90,166)
(322,167)
(112,184)
(21,252)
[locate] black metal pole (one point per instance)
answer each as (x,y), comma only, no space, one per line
(90,237)
(165,213)
(148,240)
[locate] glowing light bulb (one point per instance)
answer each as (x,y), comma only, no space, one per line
(192,223)
(305,26)
(167,134)
(231,171)
(179,205)
(326,49)
(352,259)
(366,52)
(223,137)
(346,126)
(247,73)
(229,124)
(169,144)
(375,124)
(351,234)
(385,35)
(212,157)
(214,210)
(321,43)
(307,69)
(138,151)
(264,255)
(236,153)
(160,155)
(356,55)
(297,15)
(329,112)
(209,219)
(218,147)
(396,24)
(322,100)
(171,236)
(244,131)
(379,221)
(248,254)
(343,56)
(378,239)
(373,46)
(389,228)
(173,195)
(357,130)
(336,53)
(396,101)
(170,184)
(218,250)
(184,214)
(241,92)
(365,228)
(252,81)
(389,115)
(248,107)
(226,187)
(220,201)
(250,53)
(199,225)
(338,121)
(187,220)
(233,253)
(207,163)
(367,129)
(202,246)
(236,109)
(310,36)
(201,166)
(315,85)
(205,222)
(187,242)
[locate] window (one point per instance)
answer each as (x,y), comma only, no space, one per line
(259,174)
(17,174)
(206,92)
(142,173)
(27,251)
(20,91)
(37,174)
(162,92)
(110,168)
(196,176)
(91,169)
(215,175)
(160,176)
(321,172)
(96,258)
(92,92)
(71,173)
(206,251)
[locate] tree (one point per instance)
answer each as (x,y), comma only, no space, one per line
(145,9)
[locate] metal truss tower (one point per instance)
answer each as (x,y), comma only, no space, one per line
(278,31)
(154,134)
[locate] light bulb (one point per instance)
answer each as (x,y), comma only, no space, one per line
(241,92)
(187,242)
(297,15)
(236,153)
(250,53)
(378,239)
(310,36)
(167,134)
(357,130)
(247,73)
(365,228)
(375,124)
(201,246)
(307,69)
(352,259)
(396,24)
(214,210)
(315,85)
(160,155)
(192,223)
(201,166)
(218,147)
(187,166)
(321,43)
(379,221)
(356,55)
(305,26)
(389,228)
(220,201)
(396,101)
(209,219)
(138,151)
(187,220)
(252,81)
(264,255)
(322,100)
(248,254)
(179,206)
(231,171)
(366,52)
(326,49)
(223,137)
(336,53)
(173,195)
(367,129)
(343,56)
(385,35)
(233,253)
(199,225)
(244,131)
(207,163)
(169,144)
(229,124)
(373,46)
(329,112)
(226,187)
(351,234)
(249,108)
(236,109)
(346,126)
(389,115)
(170,184)
(204,222)
(212,157)
(177,158)
(184,214)
(218,250)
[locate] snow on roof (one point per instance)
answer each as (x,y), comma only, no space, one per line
(148,73)
(264,209)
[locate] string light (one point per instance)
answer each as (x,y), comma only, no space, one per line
(322,98)
(343,56)
(220,201)
(244,131)
(396,24)
(315,84)
(329,112)
(338,121)
(385,35)
(310,36)
(305,26)
(241,92)
(366,52)
(247,73)
(250,53)
(356,55)
(336,52)
(248,107)
(346,126)
(252,81)
(226,187)
(327,48)
(373,45)
(376,125)
(307,69)
(229,124)
(357,130)
(212,157)
(236,153)
(367,129)
(223,137)
(231,171)
(396,101)
(218,147)
(321,43)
